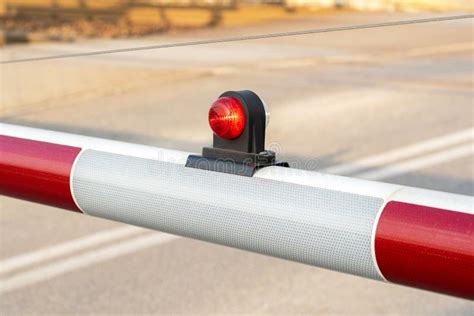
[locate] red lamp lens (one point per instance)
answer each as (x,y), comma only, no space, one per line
(227,118)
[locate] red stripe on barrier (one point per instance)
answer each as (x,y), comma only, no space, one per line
(426,247)
(37,171)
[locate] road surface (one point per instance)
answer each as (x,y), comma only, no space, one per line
(335,99)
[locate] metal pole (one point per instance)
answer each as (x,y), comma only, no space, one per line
(410,236)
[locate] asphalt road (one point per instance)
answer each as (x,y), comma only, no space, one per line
(334,98)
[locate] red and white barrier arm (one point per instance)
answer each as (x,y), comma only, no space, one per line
(386,232)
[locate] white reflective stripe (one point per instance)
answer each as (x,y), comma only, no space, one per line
(328,181)
(353,185)
(87,142)
(71,175)
(372,240)
(323,227)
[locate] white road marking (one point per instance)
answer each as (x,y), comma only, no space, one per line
(66,248)
(109,252)
(402,153)
(419,163)
(83,260)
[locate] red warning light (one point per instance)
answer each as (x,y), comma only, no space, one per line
(227,118)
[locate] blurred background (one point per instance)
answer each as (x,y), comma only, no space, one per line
(335,99)
(27,20)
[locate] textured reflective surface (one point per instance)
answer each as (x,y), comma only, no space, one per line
(326,228)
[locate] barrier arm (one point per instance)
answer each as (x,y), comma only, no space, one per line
(410,236)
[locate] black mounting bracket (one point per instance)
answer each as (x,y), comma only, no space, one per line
(246,153)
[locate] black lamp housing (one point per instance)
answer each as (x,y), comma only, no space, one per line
(246,153)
